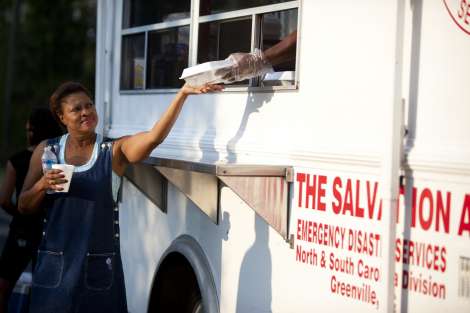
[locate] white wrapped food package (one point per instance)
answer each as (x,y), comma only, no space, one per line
(207,73)
(237,67)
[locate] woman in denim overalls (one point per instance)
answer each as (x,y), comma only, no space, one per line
(79,265)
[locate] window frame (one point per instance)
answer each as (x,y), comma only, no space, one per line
(193,22)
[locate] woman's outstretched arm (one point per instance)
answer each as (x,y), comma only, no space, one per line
(135,148)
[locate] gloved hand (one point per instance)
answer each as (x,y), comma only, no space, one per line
(246,65)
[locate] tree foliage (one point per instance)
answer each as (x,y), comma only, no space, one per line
(55,42)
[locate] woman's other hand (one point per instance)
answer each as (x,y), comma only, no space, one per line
(192,90)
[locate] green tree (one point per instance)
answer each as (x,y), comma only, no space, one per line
(55,42)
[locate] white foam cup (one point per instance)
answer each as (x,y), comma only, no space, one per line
(67,169)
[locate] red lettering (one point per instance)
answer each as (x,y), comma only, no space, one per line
(299,223)
(463,7)
(310,190)
(464,224)
(411,250)
(420,253)
(397,250)
(425,195)
(428,258)
(310,231)
(305,230)
(432,257)
(430,211)
(443,259)
(316,229)
(467,15)
(300,181)
(436,258)
(371,199)
(405,256)
(443,212)
(379,216)
(464,12)
(401,194)
(359,210)
(348,202)
(321,193)
(336,206)
(413,207)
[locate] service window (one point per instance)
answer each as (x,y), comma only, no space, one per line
(220,38)
(132,65)
(167,56)
(161,38)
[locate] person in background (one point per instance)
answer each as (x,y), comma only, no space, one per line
(79,266)
(25,231)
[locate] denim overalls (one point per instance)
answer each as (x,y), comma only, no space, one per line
(79,265)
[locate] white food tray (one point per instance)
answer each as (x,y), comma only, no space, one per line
(205,73)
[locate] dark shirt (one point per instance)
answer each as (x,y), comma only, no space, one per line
(27,226)
(20,162)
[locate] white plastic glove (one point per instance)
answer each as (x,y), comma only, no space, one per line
(246,66)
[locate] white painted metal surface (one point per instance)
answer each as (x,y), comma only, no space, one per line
(356,61)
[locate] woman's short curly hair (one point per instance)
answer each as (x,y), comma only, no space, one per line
(64,90)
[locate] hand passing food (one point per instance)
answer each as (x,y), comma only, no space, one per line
(189,90)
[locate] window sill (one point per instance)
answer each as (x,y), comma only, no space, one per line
(227,89)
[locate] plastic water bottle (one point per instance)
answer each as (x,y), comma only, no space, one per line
(48,158)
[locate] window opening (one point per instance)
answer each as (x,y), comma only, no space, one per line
(274,27)
(133,62)
(156,39)
(217,40)
(167,57)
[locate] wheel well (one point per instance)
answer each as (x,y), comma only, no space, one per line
(175,288)
(183,279)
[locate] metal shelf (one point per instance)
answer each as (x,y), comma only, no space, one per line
(265,188)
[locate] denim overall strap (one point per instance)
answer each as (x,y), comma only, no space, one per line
(79,266)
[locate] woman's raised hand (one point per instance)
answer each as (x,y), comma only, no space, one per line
(191,90)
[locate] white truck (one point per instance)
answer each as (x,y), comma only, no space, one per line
(341,183)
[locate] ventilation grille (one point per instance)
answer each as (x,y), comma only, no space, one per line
(464,277)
